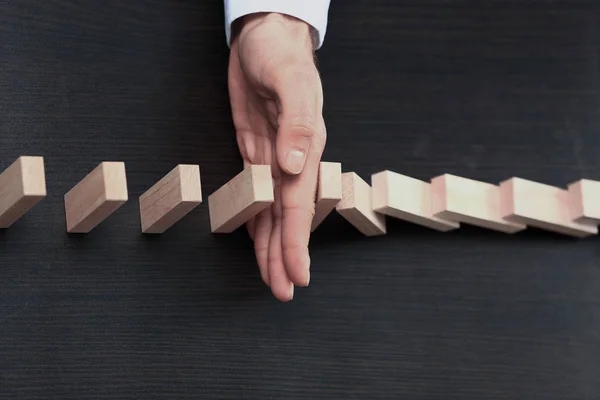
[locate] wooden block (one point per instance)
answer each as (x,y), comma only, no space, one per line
(356,206)
(240,199)
(473,202)
(96,197)
(329,191)
(408,199)
(22,186)
(541,206)
(585,201)
(170,199)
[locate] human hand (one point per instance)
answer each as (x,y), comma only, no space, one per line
(276,102)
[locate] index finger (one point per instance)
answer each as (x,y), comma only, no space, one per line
(298,194)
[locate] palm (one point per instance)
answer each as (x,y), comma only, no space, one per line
(281,232)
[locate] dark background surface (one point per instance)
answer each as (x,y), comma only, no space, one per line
(486,90)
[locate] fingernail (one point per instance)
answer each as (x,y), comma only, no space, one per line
(295,161)
(307,277)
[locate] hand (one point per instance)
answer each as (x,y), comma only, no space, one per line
(277,102)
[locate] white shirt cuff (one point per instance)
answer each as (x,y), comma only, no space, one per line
(313,12)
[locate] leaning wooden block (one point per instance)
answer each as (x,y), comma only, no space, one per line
(240,199)
(473,202)
(584,196)
(329,191)
(170,199)
(539,205)
(408,199)
(356,206)
(22,186)
(96,197)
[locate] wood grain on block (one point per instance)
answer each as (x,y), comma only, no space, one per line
(541,206)
(469,201)
(329,191)
(240,199)
(584,196)
(356,206)
(408,199)
(22,186)
(170,199)
(96,196)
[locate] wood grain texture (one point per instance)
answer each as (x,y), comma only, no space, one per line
(356,206)
(542,206)
(406,198)
(329,191)
(241,198)
(484,89)
(465,200)
(22,186)
(95,197)
(170,199)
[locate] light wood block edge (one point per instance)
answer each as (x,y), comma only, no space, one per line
(22,186)
(356,206)
(541,206)
(584,197)
(98,195)
(240,199)
(408,199)
(469,201)
(170,199)
(329,191)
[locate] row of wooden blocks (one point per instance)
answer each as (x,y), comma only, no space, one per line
(441,204)
(447,201)
(99,194)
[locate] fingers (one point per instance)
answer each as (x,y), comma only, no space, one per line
(281,285)
(295,237)
(283,70)
(298,199)
(299,145)
(263,225)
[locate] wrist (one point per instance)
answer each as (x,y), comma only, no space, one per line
(299,30)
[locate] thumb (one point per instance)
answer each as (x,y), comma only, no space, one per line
(300,101)
(293,144)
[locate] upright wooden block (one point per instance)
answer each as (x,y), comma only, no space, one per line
(356,206)
(539,205)
(95,197)
(408,199)
(22,186)
(329,191)
(584,196)
(473,202)
(170,199)
(240,199)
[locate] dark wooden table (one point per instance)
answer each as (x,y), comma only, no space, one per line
(486,90)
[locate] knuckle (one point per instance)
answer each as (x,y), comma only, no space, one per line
(289,249)
(320,139)
(302,127)
(302,209)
